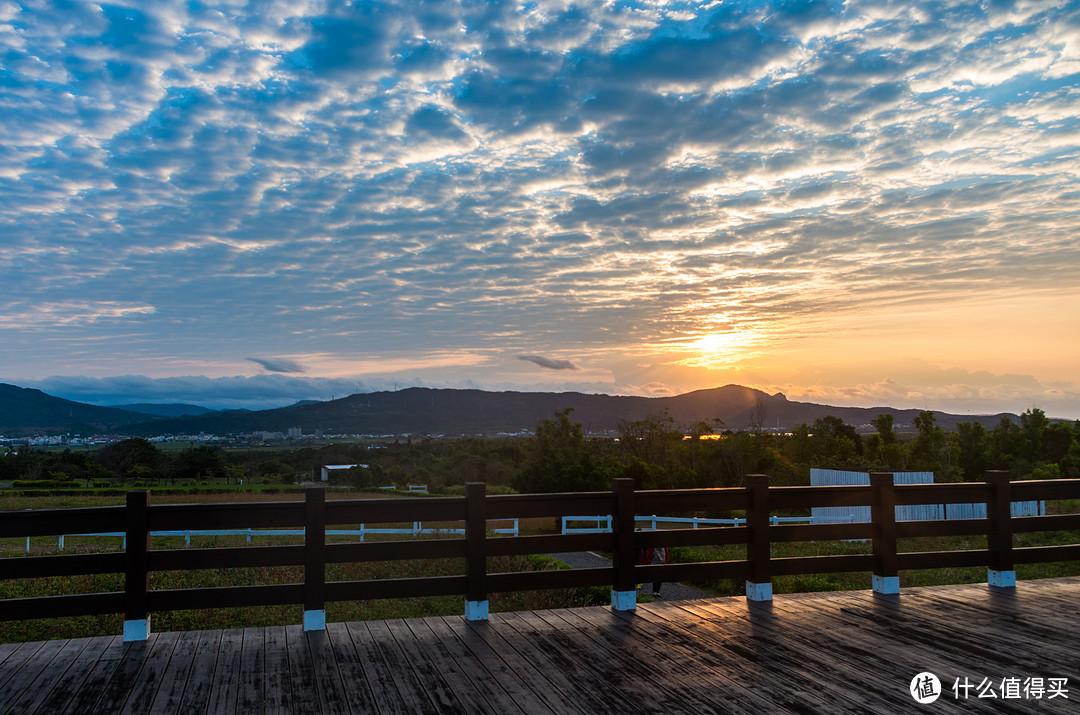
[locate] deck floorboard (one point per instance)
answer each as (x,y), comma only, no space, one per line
(818,652)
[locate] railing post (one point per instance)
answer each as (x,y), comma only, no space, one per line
(476,596)
(886,579)
(758,579)
(315,559)
(624,591)
(1001,572)
(136,570)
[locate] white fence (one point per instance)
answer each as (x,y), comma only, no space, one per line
(912,512)
(602,524)
(416,530)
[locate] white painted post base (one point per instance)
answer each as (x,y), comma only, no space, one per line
(137,630)
(1001,579)
(476,610)
(315,620)
(887,585)
(759,591)
(624,600)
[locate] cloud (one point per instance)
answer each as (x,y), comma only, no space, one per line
(179,180)
(276,364)
(549,363)
(238,392)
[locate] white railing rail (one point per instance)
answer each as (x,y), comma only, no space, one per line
(417,529)
(602,523)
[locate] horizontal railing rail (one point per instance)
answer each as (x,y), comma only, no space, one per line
(603,523)
(417,529)
(468,534)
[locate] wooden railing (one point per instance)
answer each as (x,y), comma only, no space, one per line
(756,500)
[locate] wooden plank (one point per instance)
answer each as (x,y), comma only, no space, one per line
(16,658)
(136,571)
(143,690)
(843,651)
(79,604)
(315,549)
(436,679)
(90,689)
(115,692)
(845,663)
(886,628)
(37,674)
(475,541)
(201,677)
(687,500)
(49,522)
(174,681)
(352,669)
(7,649)
(226,686)
(64,687)
(996,623)
(625,555)
(64,565)
(278,686)
(251,697)
(624,668)
(332,691)
(305,692)
(591,675)
(551,673)
(764,650)
(474,677)
(413,694)
(391,688)
(512,672)
(696,685)
(679,656)
(886,669)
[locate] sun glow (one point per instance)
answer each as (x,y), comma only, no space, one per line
(720,350)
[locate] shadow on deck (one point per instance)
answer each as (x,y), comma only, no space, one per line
(818,652)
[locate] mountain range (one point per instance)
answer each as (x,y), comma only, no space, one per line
(27,412)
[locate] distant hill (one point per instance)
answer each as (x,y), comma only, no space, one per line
(26,412)
(425,411)
(169,410)
(455,412)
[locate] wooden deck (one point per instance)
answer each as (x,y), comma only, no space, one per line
(821,652)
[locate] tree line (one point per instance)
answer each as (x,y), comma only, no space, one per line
(656,452)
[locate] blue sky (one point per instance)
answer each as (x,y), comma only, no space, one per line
(244,205)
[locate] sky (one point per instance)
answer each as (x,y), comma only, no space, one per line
(244,205)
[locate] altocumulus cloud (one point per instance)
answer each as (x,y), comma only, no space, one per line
(343,176)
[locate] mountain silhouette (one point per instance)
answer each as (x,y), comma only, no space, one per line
(429,411)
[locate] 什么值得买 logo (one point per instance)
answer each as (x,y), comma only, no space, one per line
(925,688)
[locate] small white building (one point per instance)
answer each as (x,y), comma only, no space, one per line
(913,512)
(328,468)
